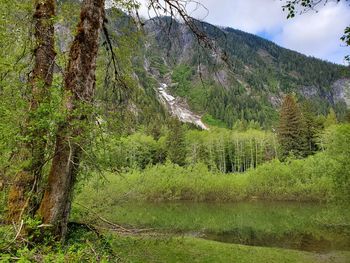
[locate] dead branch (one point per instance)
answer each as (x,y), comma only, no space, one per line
(115,227)
(18,231)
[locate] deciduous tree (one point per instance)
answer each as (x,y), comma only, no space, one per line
(24,191)
(331,118)
(79,87)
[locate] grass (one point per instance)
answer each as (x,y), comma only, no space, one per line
(189,249)
(85,246)
(81,246)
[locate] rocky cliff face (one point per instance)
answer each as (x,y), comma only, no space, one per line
(341,91)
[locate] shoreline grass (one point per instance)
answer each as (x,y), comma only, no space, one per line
(85,246)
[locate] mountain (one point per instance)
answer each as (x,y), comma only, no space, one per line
(244,76)
(232,76)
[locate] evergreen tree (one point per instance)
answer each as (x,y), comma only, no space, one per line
(291,130)
(312,127)
(176,145)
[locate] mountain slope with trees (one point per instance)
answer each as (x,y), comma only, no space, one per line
(233,75)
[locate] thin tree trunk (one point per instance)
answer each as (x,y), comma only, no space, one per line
(256,153)
(23,193)
(79,90)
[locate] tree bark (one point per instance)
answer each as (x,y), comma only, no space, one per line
(23,193)
(79,87)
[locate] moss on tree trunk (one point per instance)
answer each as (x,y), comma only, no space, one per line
(79,90)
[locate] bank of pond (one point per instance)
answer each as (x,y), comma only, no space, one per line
(279,212)
(293,225)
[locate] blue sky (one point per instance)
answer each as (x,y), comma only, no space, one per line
(313,33)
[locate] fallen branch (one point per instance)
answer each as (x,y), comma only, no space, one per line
(94,251)
(114,225)
(18,231)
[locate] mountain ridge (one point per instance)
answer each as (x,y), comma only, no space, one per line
(261,68)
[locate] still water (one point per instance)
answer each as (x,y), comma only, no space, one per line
(302,226)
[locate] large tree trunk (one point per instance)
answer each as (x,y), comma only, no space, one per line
(79,90)
(23,193)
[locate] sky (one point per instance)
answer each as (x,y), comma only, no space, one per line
(312,33)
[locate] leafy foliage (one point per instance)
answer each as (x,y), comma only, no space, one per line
(301,180)
(337,141)
(220,149)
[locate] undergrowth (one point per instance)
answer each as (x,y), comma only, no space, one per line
(308,179)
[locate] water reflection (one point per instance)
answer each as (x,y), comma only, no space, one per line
(302,226)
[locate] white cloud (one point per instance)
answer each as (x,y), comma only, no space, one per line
(248,15)
(312,33)
(318,34)
(243,14)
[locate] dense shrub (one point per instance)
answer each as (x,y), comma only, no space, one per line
(337,143)
(303,180)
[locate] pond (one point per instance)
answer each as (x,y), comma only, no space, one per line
(302,226)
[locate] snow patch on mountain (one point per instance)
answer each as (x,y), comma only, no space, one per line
(178,108)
